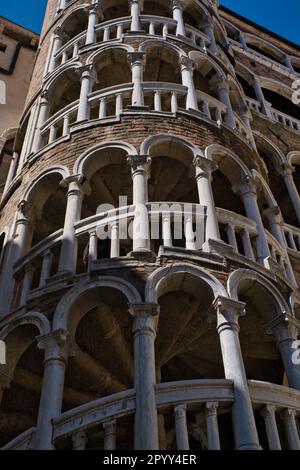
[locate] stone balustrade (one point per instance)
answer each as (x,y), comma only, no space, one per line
(238,229)
(207,398)
(292,235)
(170,224)
(277,116)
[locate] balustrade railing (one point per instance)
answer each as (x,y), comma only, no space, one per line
(292,235)
(208,399)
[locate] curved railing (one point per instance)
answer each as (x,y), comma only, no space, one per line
(195,395)
(114,101)
(292,235)
(41,262)
(277,116)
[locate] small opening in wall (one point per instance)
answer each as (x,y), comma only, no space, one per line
(3,47)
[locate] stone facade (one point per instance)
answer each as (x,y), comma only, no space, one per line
(169,127)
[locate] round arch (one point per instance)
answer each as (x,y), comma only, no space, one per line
(167,138)
(240,275)
(80,164)
(60,169)
(162,275)
(62,318)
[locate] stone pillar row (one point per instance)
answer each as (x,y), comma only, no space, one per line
(59,346)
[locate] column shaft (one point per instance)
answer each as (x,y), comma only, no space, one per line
(213,437)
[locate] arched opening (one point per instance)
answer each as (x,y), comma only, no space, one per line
(248,89)
(103,364)
(110,181)
(157,8)
(182,344)
(74,24)
(111,9)
(172,180)
(264,48)
(63,91)
(20,403)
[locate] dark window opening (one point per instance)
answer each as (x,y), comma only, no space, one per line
(3,47)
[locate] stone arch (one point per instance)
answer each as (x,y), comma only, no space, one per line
(246,274)
(15,349)
(94,57)
(264,46)
(79,166)
(275,153)
(61,316)
(217,152)
(161,275)
(200,58)
(60,169)
(159,43)
(56,75)
(167,138)
(80,9)
(276,86)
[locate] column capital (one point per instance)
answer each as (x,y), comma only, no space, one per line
(145,318)
(274,215)
(220,83)
(247,185)
(86,71)
(180,410)
(284,327)
(288,413)
(186,63)
(204,166)
(79,440)
(58,345)
(268,410)
(139,163)
(110,426)
(44,96)
(59,32)
(286,169)
(140,2)
(76,183)
(94,8)
(177,4)
(26,209)
(228,312)
(136,58)
(211,408)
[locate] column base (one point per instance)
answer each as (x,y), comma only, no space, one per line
(143,255)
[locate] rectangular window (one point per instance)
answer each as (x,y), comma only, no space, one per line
(2,47)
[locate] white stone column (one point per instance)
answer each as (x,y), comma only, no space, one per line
(242,40)
(27,282)
(265,107)
(287,171)
(209,31)
(204,169)
(18,245)
(137,63)
(87,79)
(223,93)
(110,434)
(61,5)
(68,252)
(57,349)
(244,427)
(11,173)
(247,189)
(79,440)
(182,437)
(213,437)
(43,114)
(187,67)
(135,12)
(268,413)
(177,7)
(93,15)
(140,169)
(285,328)
(144,330)
(56,45)
(46,268)
(292,435)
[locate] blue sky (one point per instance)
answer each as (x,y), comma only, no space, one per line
(280,16)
